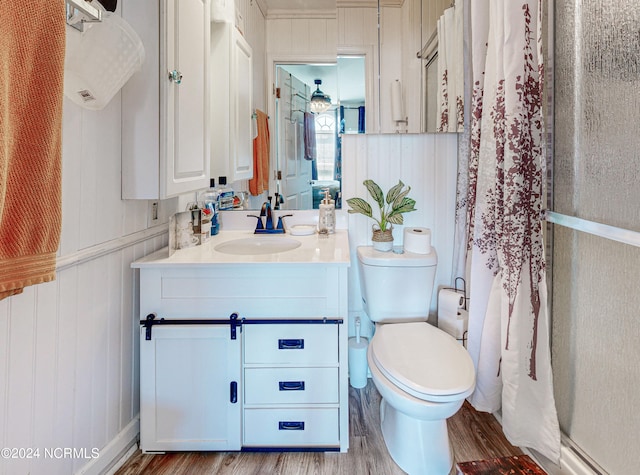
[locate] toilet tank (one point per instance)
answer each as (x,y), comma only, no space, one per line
(396,287)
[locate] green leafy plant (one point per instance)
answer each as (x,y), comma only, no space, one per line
(390,208)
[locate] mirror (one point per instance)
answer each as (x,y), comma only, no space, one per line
(308,157)
(442,57)
(390,35)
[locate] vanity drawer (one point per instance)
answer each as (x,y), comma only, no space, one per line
(290,385)
(295,344)
(291,427)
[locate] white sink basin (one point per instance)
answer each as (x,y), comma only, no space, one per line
(258,245)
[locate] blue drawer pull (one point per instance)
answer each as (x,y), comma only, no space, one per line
(291,425)
(291,344)
(291,385)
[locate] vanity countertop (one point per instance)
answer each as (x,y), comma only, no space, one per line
(330,250)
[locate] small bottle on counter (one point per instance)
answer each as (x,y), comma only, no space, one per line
(225,194)
(208,201)
(327,215)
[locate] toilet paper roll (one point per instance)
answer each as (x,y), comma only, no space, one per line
(449,301)
(417,240)
(452,318)
(455,325)
(358,362)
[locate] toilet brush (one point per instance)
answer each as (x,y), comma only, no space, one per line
(358,358)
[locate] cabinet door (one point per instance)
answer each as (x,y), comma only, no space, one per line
(190,388)
(184,118)
(241,94)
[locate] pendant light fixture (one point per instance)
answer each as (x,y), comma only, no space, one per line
(320,102)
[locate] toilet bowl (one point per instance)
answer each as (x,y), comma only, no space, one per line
(421,387)
(421,372)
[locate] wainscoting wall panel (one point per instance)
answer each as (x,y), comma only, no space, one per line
(427,163)
(69,364)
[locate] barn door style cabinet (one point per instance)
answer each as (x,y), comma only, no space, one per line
(229,363)
(189,388)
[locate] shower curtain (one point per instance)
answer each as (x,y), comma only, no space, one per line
(450,31)
(508,335)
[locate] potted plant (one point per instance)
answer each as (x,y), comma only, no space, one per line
(390,210)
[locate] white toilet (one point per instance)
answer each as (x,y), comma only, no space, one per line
(422,373)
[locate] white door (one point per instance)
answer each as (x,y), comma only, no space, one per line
(184,98)
(295,184)
(190,394)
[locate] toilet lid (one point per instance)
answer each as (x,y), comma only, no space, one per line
(423,361)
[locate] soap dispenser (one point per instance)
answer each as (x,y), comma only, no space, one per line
(327,214)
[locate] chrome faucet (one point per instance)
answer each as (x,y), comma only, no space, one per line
(266,211)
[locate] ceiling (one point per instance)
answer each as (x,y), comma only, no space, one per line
(343,81)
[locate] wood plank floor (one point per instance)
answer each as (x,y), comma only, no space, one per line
(473,435)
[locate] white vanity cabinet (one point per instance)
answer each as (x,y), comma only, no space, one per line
(165,105)
(274,377)
(231,103)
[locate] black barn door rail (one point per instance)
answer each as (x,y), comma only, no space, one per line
(152,320)
(233,321)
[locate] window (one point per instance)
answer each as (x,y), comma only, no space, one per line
(326,145)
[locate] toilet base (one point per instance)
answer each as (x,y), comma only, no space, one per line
(419,447)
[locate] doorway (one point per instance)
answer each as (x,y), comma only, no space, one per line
(308,144)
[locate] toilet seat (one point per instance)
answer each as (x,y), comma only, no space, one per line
(423,361)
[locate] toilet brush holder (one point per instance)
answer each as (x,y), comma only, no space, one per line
(358,367)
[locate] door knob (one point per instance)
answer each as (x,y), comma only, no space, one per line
(175,76)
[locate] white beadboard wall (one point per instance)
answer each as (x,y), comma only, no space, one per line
(427,163)
(68,358)
(310,37)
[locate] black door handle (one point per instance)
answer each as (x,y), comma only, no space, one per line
(233,392)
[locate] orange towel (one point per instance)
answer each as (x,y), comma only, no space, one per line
(260,181)
(32,47)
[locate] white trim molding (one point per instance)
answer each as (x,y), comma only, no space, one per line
(102,249)
(112,454)
(573,461)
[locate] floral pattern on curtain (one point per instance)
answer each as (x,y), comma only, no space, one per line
(508,335)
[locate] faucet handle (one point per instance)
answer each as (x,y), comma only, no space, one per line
(259,225)
(280,222)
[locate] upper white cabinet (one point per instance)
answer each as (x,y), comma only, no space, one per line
(165,113)
(231,104)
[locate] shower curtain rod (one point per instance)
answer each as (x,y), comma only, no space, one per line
(426,48)
(613,233)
